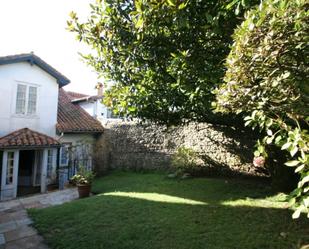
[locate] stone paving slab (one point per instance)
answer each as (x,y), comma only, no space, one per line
(2,239)
(21,214)
(16,231)
(7,205)
(34,241)
(24,221)
(4,218)
(8,226)
(19,233)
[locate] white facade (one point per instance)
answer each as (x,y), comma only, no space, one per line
(37,92)
(97,110)
(45,118)
(90,107)
(29,90)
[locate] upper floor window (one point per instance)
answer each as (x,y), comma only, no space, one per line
(26,99)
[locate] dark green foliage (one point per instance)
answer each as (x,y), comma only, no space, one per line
(268,77)
(164,57)
(267,68)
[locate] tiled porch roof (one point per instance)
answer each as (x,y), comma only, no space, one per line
(27,138)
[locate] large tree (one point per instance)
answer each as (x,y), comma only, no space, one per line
(163,57)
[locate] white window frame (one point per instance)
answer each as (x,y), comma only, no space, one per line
(26,113)
(66,146)
(9,168)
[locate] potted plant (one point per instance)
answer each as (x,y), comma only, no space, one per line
(83,180)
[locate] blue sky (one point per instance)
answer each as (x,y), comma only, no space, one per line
(40,26)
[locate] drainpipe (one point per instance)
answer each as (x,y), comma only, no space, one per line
(60,172)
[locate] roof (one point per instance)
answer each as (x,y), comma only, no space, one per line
(33,59)
(75,95)
(74,119)
(80,97)
(27,138)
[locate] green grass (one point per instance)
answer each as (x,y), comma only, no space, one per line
(150,211)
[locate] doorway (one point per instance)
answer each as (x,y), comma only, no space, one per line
(27,171)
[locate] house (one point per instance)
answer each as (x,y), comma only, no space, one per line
(38,125)
(93,104)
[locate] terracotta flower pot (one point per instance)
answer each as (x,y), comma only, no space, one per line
(83,190)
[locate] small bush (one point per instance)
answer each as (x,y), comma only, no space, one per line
(186,161)
(83,177)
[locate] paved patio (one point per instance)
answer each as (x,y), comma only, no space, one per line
(16,231)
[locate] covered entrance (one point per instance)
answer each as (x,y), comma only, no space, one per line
(29,172)
(29,162)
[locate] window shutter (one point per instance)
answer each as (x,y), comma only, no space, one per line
(21,99)
(32,98)
(50,163)
(64,155)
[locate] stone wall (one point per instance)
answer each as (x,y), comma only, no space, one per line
(225,150)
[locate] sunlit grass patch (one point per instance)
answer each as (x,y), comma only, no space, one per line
(156,197)
(274,201)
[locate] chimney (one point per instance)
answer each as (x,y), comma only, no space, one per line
(99,87)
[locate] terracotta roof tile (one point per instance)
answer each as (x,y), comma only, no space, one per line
(75,95)
(27,138)
(73,118)
(80,97)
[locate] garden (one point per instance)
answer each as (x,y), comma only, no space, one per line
(242,64)
(150,210)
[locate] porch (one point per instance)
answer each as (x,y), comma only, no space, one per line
(28,163)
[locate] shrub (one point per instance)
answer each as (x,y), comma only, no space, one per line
(267,76)
(186,161)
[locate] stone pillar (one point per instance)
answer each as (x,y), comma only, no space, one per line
(63,177)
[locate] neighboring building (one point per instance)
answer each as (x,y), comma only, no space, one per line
(93,104)
(34,125)
(77,131)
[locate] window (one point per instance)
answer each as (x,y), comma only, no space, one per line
(26,100)
(50,155)
(21,99)
(9,168)
(64,155)
(32,100)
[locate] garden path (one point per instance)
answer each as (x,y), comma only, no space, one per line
(16,229)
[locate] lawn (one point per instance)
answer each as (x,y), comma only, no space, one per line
(150,211)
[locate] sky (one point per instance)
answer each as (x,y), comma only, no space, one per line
(40,26)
